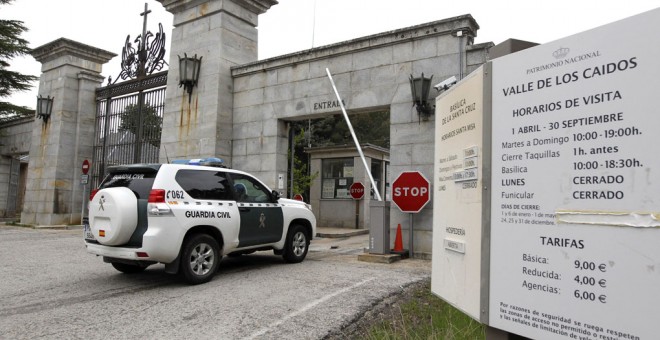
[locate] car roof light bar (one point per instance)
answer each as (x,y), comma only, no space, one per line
(209,161)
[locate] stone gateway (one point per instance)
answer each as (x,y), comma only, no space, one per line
(240,109)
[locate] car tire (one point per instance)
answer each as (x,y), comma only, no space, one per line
(297,244)
(128,268)
(200,256)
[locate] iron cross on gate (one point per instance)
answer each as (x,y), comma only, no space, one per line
(144,27)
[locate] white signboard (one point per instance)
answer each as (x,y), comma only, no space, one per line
(575,238)
(457,199)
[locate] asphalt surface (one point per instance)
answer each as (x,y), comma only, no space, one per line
(51,288)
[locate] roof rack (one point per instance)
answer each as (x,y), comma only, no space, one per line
(209,161)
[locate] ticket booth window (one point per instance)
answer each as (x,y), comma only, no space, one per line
(337,175)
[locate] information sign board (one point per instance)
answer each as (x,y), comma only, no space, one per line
(575,199)
(457,197)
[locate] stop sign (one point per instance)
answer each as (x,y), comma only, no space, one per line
(85,167)
(356,190)
(411,191)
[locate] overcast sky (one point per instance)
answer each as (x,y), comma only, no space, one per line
(295,25)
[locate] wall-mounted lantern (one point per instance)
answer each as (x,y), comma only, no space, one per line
(189,72)
(420,88)
(44,107)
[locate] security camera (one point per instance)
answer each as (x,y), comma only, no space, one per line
(445,84)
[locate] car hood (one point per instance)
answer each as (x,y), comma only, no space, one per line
(288,201)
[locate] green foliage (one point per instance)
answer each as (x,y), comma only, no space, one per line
(373,128)
(152,122)
(425,316)
(12,46)
(302,179)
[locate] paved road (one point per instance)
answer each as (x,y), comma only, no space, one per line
(51,288)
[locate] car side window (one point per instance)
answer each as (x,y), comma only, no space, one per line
(248,189)
(204,184)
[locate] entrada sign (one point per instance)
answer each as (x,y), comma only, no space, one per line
(330,104)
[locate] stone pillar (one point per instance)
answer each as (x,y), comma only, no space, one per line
(71,72)
(224,34)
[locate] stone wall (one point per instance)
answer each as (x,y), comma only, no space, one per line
(16,138)
(370,73)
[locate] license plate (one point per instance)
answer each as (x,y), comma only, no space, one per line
(87,231)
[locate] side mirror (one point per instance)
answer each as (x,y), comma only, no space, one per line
(275,195)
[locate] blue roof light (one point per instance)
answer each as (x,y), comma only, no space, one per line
(209,161)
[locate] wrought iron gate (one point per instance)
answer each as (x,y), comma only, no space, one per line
(128,123)
(12,195)
(129,115)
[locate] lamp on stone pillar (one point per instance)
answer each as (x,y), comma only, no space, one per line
(420,87)
(189,73)
(44,107)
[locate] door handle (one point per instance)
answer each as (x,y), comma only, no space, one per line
(243,209)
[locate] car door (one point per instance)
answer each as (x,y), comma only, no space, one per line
(208,200)
(262,221)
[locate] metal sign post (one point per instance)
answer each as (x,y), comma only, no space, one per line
(411,191)
(410,238)
(357,192)
(84,180)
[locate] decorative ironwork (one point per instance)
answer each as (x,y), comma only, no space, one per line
(131,86)
(44,107)
(128,130)
(129,115)
(147,58)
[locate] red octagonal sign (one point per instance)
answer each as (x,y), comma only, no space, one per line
(85,167)
(356,190)
(411,191)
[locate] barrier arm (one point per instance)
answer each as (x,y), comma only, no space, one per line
(357,144)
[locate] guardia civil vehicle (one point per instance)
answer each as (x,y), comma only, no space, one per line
(188,216)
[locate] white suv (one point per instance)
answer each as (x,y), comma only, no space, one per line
(189,216)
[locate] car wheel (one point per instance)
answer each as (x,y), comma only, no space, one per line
(199,258)
(297,244)
(128,268)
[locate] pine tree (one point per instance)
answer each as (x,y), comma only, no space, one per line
(12,46)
